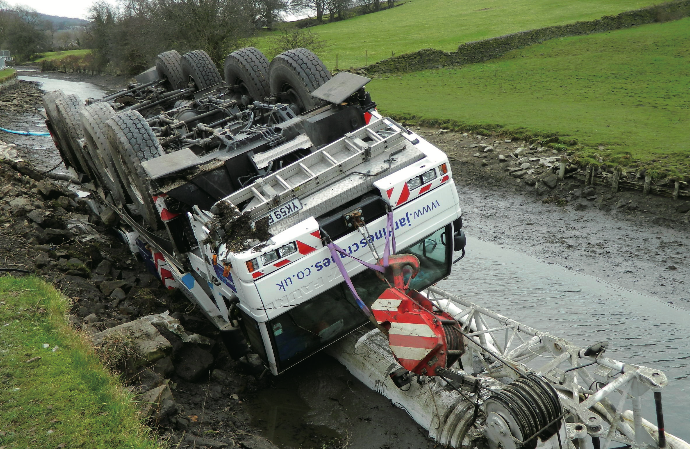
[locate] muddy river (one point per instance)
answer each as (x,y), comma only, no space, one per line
(80,89)
(570,294)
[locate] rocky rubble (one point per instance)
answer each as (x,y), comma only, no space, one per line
(533,169)
(20,97)
(172,358)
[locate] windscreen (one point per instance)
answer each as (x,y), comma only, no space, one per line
(332,314)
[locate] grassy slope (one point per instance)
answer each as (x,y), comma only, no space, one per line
(626,90)
(50,56)
(65,398)
(444,24)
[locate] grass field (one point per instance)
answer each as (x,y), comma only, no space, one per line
(59,396)
(53,55)
(5,73)
(444,24)
(626,91)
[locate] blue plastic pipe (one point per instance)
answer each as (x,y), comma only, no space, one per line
(24,133)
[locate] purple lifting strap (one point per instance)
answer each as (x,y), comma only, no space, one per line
(389,233)
(337,253)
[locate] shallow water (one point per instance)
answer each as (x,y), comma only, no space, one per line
(80,89)
(581,308)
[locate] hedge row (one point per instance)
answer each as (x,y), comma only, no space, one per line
(480,51)
(72,63)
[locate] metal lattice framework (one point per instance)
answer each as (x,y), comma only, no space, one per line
(592,388)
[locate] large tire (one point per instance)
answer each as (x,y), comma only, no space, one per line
(198,66)
(169,66)
(294,75)
(246,73)
(132,142)
(57,132)
(68,108)
(93,119)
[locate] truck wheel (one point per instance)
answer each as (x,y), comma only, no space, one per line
(56,130)
(294,75)
(246,72)
(132,142)
(68,108)
(169,66)
(93,120)
(198,66)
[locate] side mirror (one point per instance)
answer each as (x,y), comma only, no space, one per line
(459,240)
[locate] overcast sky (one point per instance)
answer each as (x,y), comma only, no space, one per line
(78,9)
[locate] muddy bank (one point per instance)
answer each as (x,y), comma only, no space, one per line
(204,397)
(635,241)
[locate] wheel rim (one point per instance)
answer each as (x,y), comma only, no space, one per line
(294,101)
(239,89)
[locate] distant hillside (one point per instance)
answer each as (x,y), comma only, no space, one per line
(64,23)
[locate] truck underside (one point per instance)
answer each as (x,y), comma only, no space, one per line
(297,219)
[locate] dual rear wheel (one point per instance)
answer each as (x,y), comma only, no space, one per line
(290,78)
(116,144)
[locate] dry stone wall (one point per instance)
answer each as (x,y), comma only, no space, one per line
(479,51)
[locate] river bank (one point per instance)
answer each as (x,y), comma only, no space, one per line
(218,402)
(318,404)
(626,238)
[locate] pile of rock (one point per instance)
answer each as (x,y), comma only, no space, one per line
(20,97)
(535,165)
(164,361)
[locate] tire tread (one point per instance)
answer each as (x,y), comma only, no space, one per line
(255,64)
(197,64)
(132,142)
(169,65)
(93,120)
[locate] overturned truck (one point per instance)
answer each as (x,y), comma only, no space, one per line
(297,219)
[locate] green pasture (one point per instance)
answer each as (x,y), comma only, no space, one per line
(59,395)
(623,95)
(53,55)
(445,24)
(6,73)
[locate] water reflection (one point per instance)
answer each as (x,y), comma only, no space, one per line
(80,89)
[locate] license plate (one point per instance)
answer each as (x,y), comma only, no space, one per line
(283,211)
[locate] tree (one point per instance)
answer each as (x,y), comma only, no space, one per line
(295,38)
(317,5)
(4,18)
(269,11)
(129,37)
(99,34)
(215,26)
(49,28)
(337,9)
(23,33)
